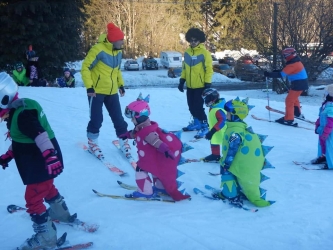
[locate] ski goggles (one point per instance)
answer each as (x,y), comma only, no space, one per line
(131,113)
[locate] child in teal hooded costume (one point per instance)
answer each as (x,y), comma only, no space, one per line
(243,159)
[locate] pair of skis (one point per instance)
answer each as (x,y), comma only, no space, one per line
(283,113)
(114,169)
(214,190)
(305,165)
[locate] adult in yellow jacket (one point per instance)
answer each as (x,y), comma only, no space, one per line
(102,77)
(197,73)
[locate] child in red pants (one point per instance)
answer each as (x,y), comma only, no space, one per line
(38,159)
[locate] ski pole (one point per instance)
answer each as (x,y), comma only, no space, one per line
(269,112)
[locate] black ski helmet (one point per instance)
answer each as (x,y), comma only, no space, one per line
(210,96)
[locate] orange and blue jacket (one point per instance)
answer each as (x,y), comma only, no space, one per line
(295,72)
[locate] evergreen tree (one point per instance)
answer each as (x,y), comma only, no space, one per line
(52,27)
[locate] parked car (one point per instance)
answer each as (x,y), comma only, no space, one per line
(149,63)
(249,72)
(131,65)
(215,61)
(227,60)
(224,69)
(175,72)
(247,59)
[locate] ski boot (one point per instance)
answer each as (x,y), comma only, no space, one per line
(46,234)
(319,160)
(193,125)
(58,210)
(160,191)
(236,201)
(94,148)
(137,194)
(203,131)
(212,158)
(285,122)
(218,195)
(125,147)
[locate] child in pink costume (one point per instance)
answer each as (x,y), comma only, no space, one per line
(159,153)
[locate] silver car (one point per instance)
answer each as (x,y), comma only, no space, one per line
(131,65)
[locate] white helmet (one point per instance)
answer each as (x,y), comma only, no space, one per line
(8,90)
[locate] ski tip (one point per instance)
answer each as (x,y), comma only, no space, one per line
(119,182)
(61,240)
(94,191)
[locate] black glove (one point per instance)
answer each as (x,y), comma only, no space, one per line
(122,90)
(207,85)
(90,90)
(210,134)
(266,74)
(181,84)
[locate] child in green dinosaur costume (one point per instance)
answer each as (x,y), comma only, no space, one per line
(243,158)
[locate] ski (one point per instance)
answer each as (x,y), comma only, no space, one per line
(76,224)
(110,166)
(214,174)
(308,168)
(295,125)
(129,157)
(133,199)
(76,246)
(130,187)
(305,165)
(199,160)
(200,192)
(283,113)
(195,140)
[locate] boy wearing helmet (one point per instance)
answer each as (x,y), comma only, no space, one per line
(197,73)
(159,153)
(243,158)
(216,120)
(295,72)
(19,75)
(324,127)
(38,159)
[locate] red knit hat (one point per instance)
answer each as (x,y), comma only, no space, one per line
(114,33)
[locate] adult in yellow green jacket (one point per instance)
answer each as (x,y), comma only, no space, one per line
(197,72)
(102,77)
(19,75)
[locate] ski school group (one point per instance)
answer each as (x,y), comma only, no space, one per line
(235,146)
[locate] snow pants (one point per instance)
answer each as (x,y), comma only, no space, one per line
(112,105)
(292,103)
(195,103)
(36,193)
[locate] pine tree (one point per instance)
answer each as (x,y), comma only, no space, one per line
(52,27)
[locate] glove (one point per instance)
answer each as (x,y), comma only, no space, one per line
(6,158)
(207,85)
(90,91)
(317,125)
(126,135)
(122,91)
(181,84)
(210,134)
(163,148)
(224,170)
(52,163)
(266,74)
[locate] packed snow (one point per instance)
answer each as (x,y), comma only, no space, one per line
(301,218)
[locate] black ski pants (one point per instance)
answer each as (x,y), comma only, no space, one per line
(195,103)
(112,105)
